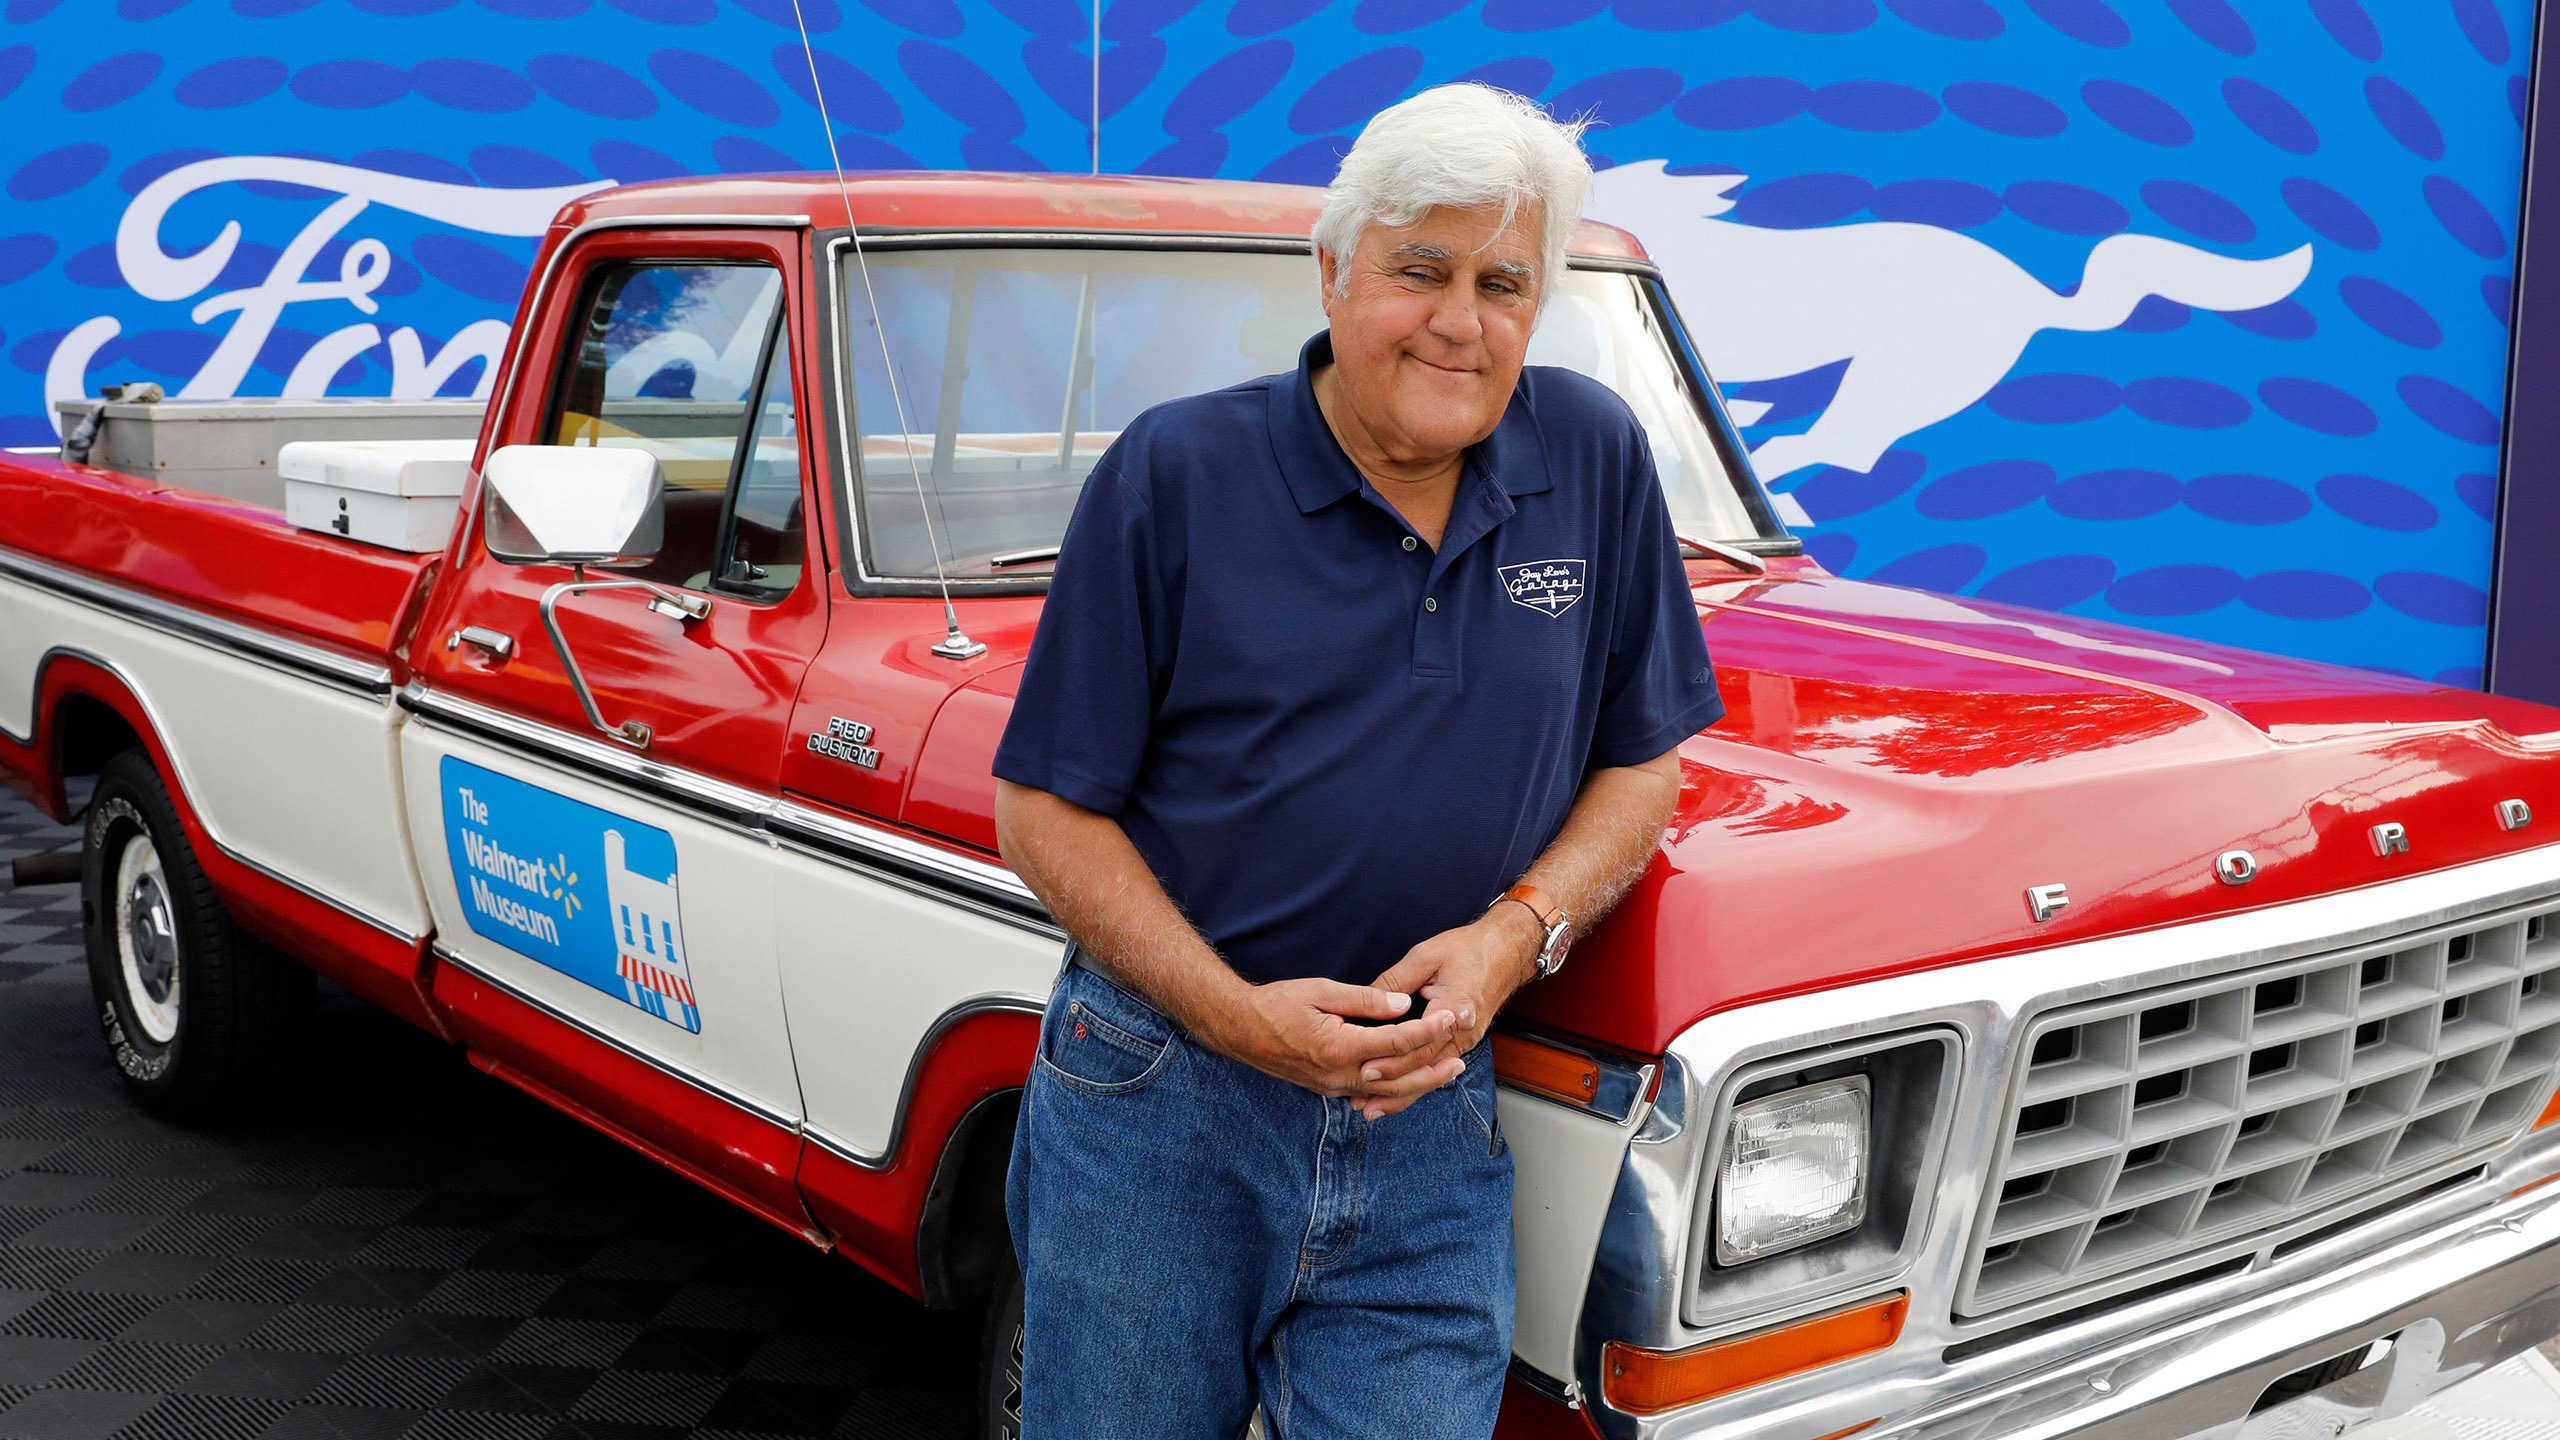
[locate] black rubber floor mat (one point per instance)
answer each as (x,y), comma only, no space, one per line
(403,1248)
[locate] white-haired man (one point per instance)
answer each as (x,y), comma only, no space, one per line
(1355,685)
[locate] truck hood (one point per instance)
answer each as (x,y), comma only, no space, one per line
(1896,768)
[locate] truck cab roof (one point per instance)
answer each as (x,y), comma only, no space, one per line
(906,200)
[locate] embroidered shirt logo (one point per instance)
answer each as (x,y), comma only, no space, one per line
(1548,586)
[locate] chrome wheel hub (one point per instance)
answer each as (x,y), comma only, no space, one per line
(147,939)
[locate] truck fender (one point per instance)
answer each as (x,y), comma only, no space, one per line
(963,1237)
(876,1205)
(87,710)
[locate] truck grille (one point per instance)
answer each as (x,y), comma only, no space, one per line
(2158,1125)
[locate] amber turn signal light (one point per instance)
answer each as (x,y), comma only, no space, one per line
(2550,1112)
(1647,1382)
(1550,1070)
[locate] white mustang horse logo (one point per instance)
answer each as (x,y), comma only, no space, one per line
(1928,319)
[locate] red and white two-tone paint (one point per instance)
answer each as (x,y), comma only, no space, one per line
(2154,1143)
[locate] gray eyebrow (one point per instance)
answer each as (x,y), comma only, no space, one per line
(1413,251)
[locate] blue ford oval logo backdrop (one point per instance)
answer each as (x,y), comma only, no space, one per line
(2179,312)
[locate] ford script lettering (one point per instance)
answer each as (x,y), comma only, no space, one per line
(145,264)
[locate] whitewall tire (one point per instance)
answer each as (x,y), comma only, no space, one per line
(199,1016)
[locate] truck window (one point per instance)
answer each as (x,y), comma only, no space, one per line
(760,546)
(688,362)
(1018,368)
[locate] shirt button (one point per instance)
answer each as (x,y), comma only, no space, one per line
(1429,604)
(1410,542)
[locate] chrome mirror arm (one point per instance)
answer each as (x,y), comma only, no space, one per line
(684,609)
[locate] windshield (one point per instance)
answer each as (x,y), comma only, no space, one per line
(1018,368)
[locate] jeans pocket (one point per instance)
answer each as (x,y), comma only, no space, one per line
(1100,1039)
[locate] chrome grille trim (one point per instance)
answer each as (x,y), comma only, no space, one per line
(2154,1128)
(1641,1284)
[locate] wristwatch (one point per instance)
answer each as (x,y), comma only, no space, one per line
(1552,919)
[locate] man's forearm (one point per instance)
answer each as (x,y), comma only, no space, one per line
(1099,889)
(1608,838)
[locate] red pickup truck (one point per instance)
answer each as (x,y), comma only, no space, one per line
(2028,1026)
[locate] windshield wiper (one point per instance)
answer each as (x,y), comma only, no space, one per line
(1031,556)
(1730,554)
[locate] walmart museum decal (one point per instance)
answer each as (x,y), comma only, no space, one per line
(583,891)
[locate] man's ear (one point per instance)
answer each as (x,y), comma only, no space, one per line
(1326,266)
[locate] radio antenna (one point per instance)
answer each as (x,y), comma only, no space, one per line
(955,643)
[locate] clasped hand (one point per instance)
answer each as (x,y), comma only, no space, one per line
(1451,985)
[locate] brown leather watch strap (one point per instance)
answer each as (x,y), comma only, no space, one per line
(1540,905)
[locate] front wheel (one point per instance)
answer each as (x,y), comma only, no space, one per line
(1000,1359)
(198,1014)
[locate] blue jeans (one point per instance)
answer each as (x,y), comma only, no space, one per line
(1198,1238)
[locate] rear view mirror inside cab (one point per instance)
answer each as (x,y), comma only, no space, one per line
(574,505)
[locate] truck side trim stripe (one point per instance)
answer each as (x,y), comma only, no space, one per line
(988,888)
(912,865)
(332,901)
(151,713)
(843,1150)
(310,661)
(707,1086)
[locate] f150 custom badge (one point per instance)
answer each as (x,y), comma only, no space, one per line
(529,864)
(1547,586)
(846,740)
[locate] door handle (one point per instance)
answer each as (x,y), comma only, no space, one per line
(496,644)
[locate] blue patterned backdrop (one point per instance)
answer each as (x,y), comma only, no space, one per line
(2311,474)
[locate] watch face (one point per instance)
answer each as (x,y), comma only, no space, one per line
(1559,940)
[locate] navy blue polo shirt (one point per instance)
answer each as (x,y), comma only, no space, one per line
(1329,741)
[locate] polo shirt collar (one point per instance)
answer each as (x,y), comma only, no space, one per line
(1319,473)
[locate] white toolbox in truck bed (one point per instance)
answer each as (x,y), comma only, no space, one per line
(396,493)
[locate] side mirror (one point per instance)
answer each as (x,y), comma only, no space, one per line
(574,504)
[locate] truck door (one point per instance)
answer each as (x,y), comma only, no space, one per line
(602,894)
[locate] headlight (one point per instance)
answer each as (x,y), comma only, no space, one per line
(1794,1171)
(1819,1175)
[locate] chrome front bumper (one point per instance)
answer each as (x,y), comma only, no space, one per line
(2452,1302)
